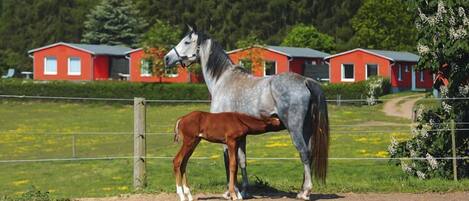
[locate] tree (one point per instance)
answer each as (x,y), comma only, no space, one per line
(443,46)
(156,43)
(385,25)
(25,25)
(114,22)
(307,36)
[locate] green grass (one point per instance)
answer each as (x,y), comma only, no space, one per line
(26,132)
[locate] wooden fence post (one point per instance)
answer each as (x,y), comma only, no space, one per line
(338,99)
(139,179)
(74,149)
(453,147)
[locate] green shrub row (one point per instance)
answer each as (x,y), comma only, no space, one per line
(156,91)
(104,89)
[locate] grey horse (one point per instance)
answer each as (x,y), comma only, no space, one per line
(299,102)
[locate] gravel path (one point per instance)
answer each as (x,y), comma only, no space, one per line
(404,110)
(452,196)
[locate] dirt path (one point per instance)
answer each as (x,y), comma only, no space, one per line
(401,106)
(453,196)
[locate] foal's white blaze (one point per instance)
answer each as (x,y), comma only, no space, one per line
(180,193)
(187,192)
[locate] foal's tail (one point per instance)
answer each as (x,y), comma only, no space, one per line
(320,137)
(176,131)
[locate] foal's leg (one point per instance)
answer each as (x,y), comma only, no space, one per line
(232,150)
(185,160)
(242,165)
(180,163)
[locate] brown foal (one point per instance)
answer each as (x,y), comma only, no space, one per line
(227,128)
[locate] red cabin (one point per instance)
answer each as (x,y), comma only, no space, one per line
(359,64)
(140,71)
(70,61)
(278,59)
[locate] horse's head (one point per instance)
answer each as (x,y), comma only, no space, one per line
(186,52)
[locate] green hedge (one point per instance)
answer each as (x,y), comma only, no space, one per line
(105,89)
(120,89)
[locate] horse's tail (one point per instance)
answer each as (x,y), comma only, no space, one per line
(320,137)
(176,131)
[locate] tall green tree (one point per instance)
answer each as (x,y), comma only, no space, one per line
(114,22)
(25,25)
(307,36)
(386,24)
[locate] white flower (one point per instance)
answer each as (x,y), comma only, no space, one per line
(461,12)
(422,49)
(446,107)
(424,132)
(413,154)
(432,161)
(444,91)
(464,90)
(392,148)
(406,168)
(421,175)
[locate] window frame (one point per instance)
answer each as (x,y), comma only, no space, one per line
(275,66)
(69,66)
(366,70)
(399,72)
(46,72)
(342,73)
(147,74)
(422,74)
(171,74)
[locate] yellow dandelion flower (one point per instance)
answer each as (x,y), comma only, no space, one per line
(106,188)
(382,154)
(123,188)
(277,144)
(20,182)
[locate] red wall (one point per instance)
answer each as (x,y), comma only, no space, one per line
(359,59)
(101,67)
(62,53)
(280,59)
(385,69)
(297,64)
(135,62)
(406,82)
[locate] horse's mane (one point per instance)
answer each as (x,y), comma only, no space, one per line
(218,61)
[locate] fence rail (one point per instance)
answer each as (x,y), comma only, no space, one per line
(199,101)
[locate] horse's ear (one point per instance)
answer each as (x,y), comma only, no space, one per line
(192,28)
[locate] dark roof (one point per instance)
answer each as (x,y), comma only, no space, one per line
(298,51)
(390,55)
(92,49)
(291,51)
(397,56)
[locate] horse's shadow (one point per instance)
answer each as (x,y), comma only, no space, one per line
(261,189)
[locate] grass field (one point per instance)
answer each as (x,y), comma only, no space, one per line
(43,130)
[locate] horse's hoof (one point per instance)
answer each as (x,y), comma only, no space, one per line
(245,194)
(304,195)
(226,195)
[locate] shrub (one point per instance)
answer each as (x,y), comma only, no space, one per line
(373,87)
(105,89)
(33,194)
(156,91)
(431,138)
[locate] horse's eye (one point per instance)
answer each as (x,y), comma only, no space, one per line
(187,42)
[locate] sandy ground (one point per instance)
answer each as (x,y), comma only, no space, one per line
(392,108)
(453,196)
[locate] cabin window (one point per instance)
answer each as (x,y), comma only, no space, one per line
(399,72)
(406,68)
(171,71)
(50,66)
(74,66)
(371,70)
(311,62)
(348,72)
(270,68)
(145,68)
(246,64)
(421,76)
